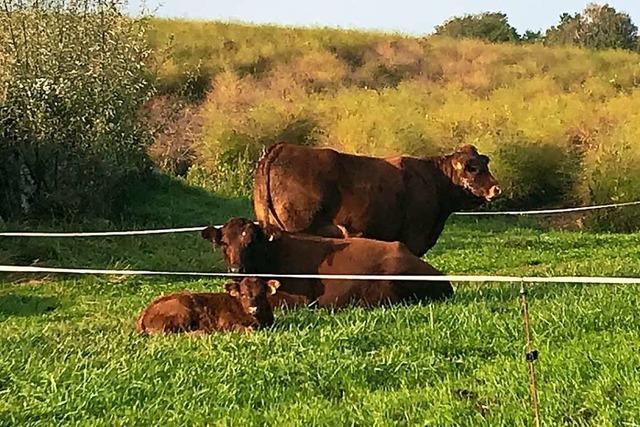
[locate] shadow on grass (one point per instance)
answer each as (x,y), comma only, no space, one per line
(26,305)
(171,202)
(160,202)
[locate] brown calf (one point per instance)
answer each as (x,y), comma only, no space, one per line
(243,307)
(248,249)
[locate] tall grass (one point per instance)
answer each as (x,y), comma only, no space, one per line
(560,124)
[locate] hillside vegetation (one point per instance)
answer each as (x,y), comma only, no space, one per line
(560,124)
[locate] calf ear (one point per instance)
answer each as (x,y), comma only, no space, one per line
(273,286)
(232,288)
(212,234)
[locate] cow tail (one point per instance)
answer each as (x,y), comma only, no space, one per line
(264,168)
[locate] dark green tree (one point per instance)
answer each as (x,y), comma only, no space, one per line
(532,37)
(489,26)
(597,27)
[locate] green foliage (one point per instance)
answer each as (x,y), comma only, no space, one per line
(75,79)
(544,115)
(597,27)
(532,37)
(488,26)
(71,356)
(566,32)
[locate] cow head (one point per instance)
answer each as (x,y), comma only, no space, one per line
(242,243)
(470,170)
(252,293)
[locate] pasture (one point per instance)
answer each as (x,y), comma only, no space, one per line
(70,354)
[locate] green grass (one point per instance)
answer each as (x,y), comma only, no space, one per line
(69,354)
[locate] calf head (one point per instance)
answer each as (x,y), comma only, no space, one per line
(470,170)
(242,243)
(252,293)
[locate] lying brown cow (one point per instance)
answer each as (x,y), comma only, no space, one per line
(247,248)
(332,194)
(244,307)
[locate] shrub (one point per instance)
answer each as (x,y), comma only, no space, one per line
(536,173)
(176,128)
(611,172)
(489,26)
(75,82)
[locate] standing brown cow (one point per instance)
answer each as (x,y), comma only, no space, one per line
(407,199)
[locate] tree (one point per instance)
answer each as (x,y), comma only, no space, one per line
(603,27)
(597,27)
(566,32)
(489,26)
(532,36)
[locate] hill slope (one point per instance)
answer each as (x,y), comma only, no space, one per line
(561,124)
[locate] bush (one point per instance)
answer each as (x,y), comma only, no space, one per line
(75,79)
(489,26)
(612,171)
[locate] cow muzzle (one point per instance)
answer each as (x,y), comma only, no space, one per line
(235,270)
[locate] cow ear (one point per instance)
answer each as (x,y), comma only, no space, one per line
(232,289)
(467,149)
(212,234)
(273,286)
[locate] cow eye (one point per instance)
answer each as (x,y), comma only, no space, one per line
(471,169)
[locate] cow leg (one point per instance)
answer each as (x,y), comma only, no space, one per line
(287,301)
(412,290)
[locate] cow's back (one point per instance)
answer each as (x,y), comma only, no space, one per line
(298,254)
(305,189)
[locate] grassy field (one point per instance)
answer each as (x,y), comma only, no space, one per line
(70,354)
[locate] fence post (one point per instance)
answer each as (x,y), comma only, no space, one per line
(531,356)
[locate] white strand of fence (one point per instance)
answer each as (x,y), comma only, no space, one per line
(549,211)
(103,233)
(191,229)
(413,278)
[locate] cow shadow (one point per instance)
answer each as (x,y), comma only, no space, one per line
(166,201)
(26,305)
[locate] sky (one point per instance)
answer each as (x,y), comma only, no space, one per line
(406,16)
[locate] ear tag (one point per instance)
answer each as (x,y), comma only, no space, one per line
(244,233)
